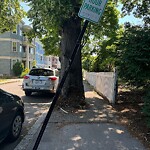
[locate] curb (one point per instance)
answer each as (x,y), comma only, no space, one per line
(10,81)
(25,142)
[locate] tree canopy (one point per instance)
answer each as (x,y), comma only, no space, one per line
(134,53)
(49,17)
(58,24)
(106,48)
(11,13)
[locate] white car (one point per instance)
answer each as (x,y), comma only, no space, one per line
(40,80)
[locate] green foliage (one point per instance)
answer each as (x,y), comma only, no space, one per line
(11,14)
(108,24)
(104,51)
(34,63)
(103,40)
(87,63)
(134,56)
(26,71)
(48,22)
(48,19)
(18,68)
(140,9)
(47,15)
(146,107)
(51,43)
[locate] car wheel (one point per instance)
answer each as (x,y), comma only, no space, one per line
(15,128)
(28,93)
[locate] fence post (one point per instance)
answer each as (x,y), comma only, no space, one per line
(115,86)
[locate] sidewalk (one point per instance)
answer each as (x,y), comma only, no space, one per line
(10,81)
(95,128)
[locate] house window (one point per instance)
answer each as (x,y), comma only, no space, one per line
(23,49)
(31,50)
(14,46)
(20,48)
(13,62)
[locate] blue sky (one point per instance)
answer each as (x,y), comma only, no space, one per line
(130,18)
(26,8)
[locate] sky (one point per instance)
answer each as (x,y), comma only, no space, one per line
(130,18)
(26,8)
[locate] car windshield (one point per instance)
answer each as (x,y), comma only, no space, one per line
(41,72)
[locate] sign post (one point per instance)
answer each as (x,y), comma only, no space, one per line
(92,10)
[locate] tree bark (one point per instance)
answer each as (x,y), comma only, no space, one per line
(73,89)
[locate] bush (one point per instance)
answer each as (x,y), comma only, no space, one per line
(26,71)
(18,68)
(134,56)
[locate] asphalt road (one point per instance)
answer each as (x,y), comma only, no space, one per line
(35,105)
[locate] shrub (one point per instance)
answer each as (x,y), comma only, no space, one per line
(26,71)
(134,56)
(18,68)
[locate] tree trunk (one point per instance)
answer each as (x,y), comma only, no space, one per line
(73,90)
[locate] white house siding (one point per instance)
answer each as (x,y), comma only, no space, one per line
(5,66)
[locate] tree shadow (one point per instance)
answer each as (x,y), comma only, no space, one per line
(88,136)
(38,98)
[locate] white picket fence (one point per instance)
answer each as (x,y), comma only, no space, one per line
(105,83)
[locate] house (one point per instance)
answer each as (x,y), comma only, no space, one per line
(55,62)
(39,56)
(42,60)
(15,46)
(52,62)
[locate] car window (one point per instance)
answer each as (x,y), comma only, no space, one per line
(41,72)
(4,98)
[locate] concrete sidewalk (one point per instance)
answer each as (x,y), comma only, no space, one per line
(94,128)
(10,81)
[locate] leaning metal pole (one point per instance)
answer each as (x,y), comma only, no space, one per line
(58,91)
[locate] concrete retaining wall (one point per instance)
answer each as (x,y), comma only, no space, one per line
(105,83)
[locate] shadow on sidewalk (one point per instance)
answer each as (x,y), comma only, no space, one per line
(99,110)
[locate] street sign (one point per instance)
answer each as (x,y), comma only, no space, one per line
(92,10)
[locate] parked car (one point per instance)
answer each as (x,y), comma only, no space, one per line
(11,116)
(40,80)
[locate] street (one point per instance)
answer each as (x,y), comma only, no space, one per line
(34,106)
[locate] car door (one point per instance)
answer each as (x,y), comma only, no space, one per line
(6,113)
(1,117)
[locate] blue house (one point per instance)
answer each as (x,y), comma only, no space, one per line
(39,57)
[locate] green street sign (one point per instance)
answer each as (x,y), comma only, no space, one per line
(92,10)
